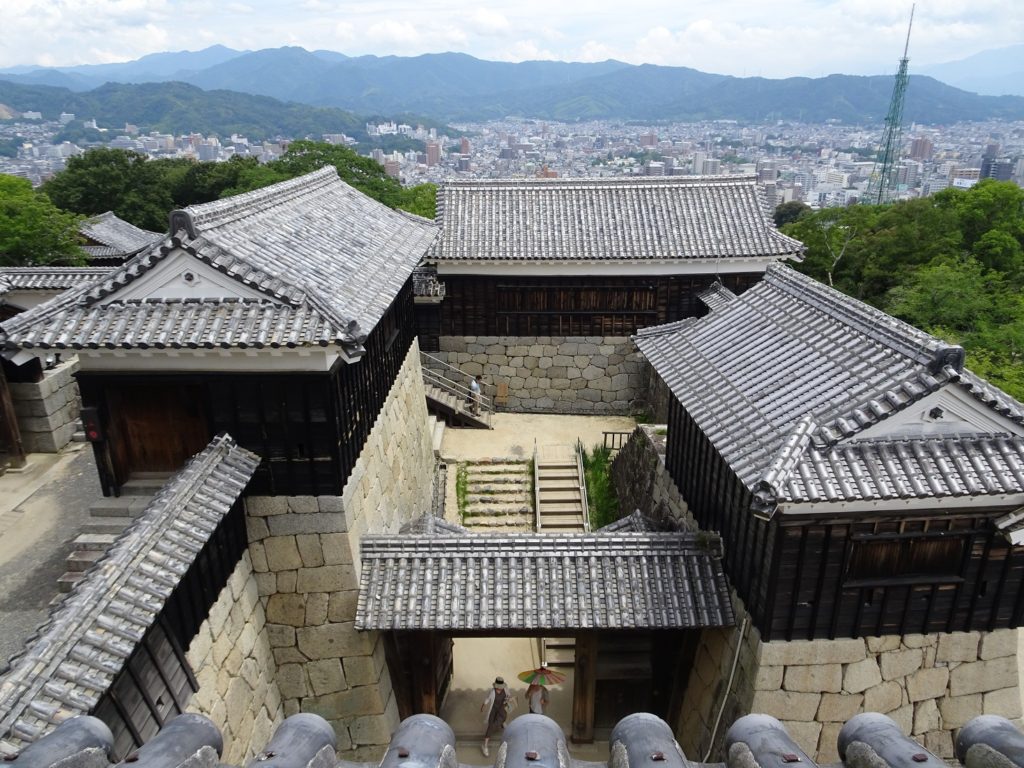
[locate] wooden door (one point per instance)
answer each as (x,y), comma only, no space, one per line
(155,427)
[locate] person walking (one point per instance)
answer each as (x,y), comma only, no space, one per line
(497,704)
(475,394)
(537,698)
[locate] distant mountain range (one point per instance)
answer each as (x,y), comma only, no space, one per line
(452,86)
(996,72)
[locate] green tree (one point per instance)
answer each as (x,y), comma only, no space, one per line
(789,212)
(958,295)
(32,229)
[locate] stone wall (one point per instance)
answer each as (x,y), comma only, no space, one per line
(642,482)
(930,685)
(305,556)
(554,374)
(234,665)
(47,410)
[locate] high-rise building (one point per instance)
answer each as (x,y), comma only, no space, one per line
(649,139)
(464,146)
(921,148)
(1000,168)
(433,153)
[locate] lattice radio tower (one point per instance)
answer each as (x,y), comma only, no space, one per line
(883,174)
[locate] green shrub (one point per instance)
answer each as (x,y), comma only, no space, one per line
(601,498)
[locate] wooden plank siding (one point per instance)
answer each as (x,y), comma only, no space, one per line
(308,428)
(849,575)
(569,306)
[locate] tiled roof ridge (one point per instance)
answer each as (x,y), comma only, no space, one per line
(767,489)
(989,394)
(895,334)
(611,181)
(489,544)
(211,254)
(45,270)
(666,328)
(123,569)
(716,295)
(246,204)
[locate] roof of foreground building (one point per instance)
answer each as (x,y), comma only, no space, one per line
(632,219)
(112,237)
(522,582)
(309,261)
(812,396)
(76,655)
(48,279)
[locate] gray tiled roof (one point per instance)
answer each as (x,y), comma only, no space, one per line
(649,219)
(123,238)
(78,652)
(47,278)
(716,296)
(332,258)
(783,379)
(541,582)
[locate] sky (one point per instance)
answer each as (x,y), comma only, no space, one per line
(767,38)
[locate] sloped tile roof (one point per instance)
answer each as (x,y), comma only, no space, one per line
(634,219)
(47,278)
(75,656)
(331,257)
(783,378)
(121,237)
(716,296)
(541,582)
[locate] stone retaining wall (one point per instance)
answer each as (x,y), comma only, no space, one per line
(47,410)
(233,663)
(642,482)
(554,374)
(305,553)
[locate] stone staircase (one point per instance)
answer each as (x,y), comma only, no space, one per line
(453,409)
(560,503)
(498,495)
(108,518)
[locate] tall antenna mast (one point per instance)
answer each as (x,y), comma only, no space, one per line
(883,179)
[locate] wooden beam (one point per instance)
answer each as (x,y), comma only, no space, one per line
(10,435)
(584,688)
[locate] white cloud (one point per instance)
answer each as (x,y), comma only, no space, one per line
(488,22)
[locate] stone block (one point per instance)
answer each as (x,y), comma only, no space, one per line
(312,522)
(926,717)
(768,678)
(289,609)
(326,676)
(904,718)
(958,646)
(900,663)
(370,730)
(303,505)
(984,676)
(828,744)
(1005,703)
(839,707)
(861,675)
(883,698)
(291,681)
(999,643)
(928,684)
(316,608)
(816,679)
(331,641)
(290,655)
(310,551)
(811,652)
(280,635)
(361,670)
(282,553)
(336,549)
(920,641)
(805,734)
(265,506)
(330,503)
(940,743)
(786,705)
(327,578)
(957,710)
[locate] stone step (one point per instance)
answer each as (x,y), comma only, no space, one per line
(94,541)
(82,559)
(563,466)
(561,508)
(475,475)
(498,468)
(519,521)
(569,496)
(67,582)
(78,437)
(121,506)
(145,483)
(560,520)
(488,508)
(437,435)
(108,525)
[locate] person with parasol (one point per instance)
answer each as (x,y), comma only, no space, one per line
(537,694)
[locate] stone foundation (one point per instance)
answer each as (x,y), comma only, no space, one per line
(642,482)
(305,553)
(233,663)
(554,374)
(47,410)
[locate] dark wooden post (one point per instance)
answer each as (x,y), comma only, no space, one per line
(584,688)
(10,435)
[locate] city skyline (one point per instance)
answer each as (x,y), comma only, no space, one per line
(734,37)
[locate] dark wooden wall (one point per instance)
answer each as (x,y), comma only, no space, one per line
(849,575)
(157,682)
(569,306)
(308,428)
